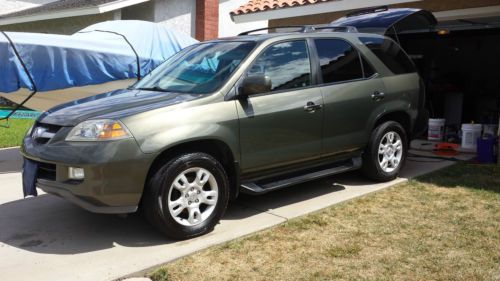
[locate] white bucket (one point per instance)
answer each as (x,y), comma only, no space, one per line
(436,129)
(470,134)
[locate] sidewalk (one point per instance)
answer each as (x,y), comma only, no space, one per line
(47,238)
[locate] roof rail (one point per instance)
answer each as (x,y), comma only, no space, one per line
(367,11)
(332,28)
(307,28)
(273,27)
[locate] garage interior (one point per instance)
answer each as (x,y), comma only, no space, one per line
(459,61)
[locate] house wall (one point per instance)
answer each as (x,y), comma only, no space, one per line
(431,5)
(177,14)
(226,25)
(143,11)
(60,26)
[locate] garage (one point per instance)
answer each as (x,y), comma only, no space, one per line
(458,63)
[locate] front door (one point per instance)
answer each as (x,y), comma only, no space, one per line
(282,126)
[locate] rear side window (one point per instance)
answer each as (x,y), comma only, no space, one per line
(339,60)
(287,64)
(390,54)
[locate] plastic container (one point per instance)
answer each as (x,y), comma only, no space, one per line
(490,130)
(436,129)
(470,134)
(486,149)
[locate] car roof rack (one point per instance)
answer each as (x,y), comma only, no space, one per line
(367,11)
(307,28)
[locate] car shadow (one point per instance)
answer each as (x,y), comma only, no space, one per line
(50,225)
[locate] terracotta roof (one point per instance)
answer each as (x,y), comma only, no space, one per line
(254,6)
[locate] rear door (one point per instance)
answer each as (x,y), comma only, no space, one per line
(281,127)
(350,89)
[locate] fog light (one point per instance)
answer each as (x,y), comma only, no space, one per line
(76,173)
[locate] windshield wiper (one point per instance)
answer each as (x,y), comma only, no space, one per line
(155,88)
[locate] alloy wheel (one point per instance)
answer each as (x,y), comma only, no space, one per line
(390,152)
(192,196)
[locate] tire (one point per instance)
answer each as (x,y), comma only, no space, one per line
(384,164)
(187,196)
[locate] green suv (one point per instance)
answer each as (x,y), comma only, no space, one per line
(252,114)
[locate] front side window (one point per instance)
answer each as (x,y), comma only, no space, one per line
(339,60)
(286,64)
(199,69)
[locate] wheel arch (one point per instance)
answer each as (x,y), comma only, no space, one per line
(214,147)
(401,117)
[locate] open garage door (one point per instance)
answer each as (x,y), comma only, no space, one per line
(458,60)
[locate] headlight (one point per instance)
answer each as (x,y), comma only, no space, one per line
(99,130)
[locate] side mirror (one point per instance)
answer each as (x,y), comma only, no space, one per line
(255,84)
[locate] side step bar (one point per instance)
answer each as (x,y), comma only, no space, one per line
(261,187)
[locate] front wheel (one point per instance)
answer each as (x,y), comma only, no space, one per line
(386,152)
(187,196)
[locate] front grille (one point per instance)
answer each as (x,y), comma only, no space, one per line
(43,133)
(47,171)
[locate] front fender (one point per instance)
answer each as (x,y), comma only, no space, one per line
(162,129)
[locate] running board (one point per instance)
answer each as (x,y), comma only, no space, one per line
(263,186)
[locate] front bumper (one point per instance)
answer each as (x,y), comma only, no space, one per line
(115,172)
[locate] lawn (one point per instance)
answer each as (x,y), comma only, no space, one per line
(13,135)
(442,226)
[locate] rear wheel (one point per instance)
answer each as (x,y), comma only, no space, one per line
(386,152)
(187,196)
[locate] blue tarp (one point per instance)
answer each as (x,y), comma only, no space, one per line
(87,57)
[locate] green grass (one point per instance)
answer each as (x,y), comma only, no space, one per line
(442,226)
(13,135)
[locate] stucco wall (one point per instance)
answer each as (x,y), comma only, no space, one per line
(431,5)
(59,26)
(226,25)
(143,11)
(178,14)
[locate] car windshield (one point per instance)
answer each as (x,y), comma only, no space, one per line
(198,69)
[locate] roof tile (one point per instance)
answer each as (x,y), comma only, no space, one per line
(254,6)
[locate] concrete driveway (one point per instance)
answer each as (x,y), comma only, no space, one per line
(47,238)
(10,160)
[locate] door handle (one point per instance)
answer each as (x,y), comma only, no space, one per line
(378,95)
(312,107)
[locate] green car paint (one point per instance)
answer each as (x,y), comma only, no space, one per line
(258,134)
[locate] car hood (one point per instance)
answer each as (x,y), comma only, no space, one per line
(115,104)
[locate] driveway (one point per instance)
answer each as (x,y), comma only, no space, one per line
(10,160)
(47,238)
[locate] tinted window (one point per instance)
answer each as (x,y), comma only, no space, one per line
(390,54)
(368,70)
(287,65)
(339,60)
